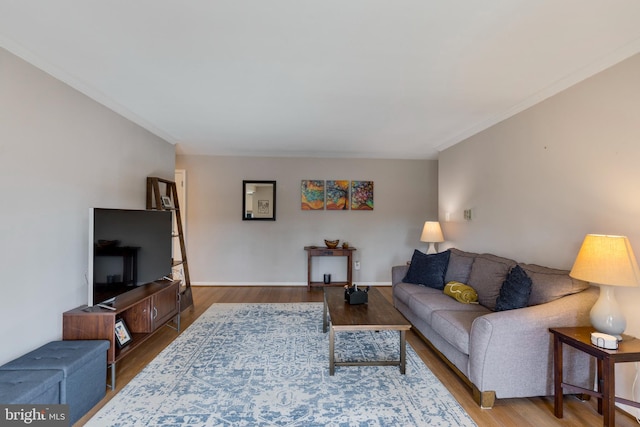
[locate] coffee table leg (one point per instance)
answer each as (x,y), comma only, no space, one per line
(403,351)
(332,365)
(324,316)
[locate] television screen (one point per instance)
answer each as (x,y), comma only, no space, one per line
(127,248)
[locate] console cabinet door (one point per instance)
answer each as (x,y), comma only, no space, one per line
(165,305)
(138,317)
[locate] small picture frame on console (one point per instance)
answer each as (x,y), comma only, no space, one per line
(166,202)
(123,336)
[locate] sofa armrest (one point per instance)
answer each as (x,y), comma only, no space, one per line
(519,341)
(398,272)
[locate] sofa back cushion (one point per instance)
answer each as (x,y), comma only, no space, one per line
(488,273)
(459,268)
(550,284)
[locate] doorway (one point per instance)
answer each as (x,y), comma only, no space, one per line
(181,189)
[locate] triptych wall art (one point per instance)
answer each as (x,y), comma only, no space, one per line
(333,195)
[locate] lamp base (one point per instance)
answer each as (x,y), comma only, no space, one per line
(431,249)
(606,315)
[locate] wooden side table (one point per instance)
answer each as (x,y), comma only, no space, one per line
(318,251)
(580,338)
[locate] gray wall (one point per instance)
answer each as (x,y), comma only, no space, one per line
(223,249)
(60,154)
(538,182)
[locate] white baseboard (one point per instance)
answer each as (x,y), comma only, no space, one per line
(276,284)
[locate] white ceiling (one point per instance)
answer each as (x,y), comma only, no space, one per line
(327,78)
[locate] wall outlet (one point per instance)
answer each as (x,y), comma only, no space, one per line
(356,265)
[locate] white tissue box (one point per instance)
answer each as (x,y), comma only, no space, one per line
(604,340)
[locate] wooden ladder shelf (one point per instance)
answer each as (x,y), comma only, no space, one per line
(154,201)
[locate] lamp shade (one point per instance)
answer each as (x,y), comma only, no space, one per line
(431,232)
(606,260)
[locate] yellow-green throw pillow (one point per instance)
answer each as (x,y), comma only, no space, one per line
(461,292)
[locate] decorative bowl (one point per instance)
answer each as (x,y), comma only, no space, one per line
(103,244)
(331,244)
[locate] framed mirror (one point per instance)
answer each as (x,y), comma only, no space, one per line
(258,200)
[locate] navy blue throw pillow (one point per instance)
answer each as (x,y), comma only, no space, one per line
(428,270)
(515,291)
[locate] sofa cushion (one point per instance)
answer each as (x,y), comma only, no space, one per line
(459,267)
(455,326)
(424,303)
(515,291)
(405,291)
(550,284)
(488,272)
(428,270)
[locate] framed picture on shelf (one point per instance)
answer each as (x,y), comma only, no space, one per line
(123,336)
(166,202)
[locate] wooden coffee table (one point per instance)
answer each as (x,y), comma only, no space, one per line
(377,315)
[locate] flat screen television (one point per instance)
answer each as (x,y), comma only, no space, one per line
(127,249)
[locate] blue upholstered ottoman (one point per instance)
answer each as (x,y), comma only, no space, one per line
(84,368)
(34,386)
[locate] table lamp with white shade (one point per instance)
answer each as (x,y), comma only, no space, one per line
(432,234)
(607,261)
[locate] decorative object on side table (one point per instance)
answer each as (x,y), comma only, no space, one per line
(102,244)
(331,244)
(432,234)
(607,261)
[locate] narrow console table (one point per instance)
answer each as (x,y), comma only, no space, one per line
(580,338)
(144,309)
(318,251)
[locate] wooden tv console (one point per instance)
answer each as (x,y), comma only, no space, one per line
(144,310)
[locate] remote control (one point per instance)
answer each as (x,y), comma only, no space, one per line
(108,307)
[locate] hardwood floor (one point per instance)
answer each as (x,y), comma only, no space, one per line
(524,412)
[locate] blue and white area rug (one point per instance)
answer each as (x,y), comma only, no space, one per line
(268,365)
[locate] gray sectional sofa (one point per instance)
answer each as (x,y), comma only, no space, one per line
(500,354)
